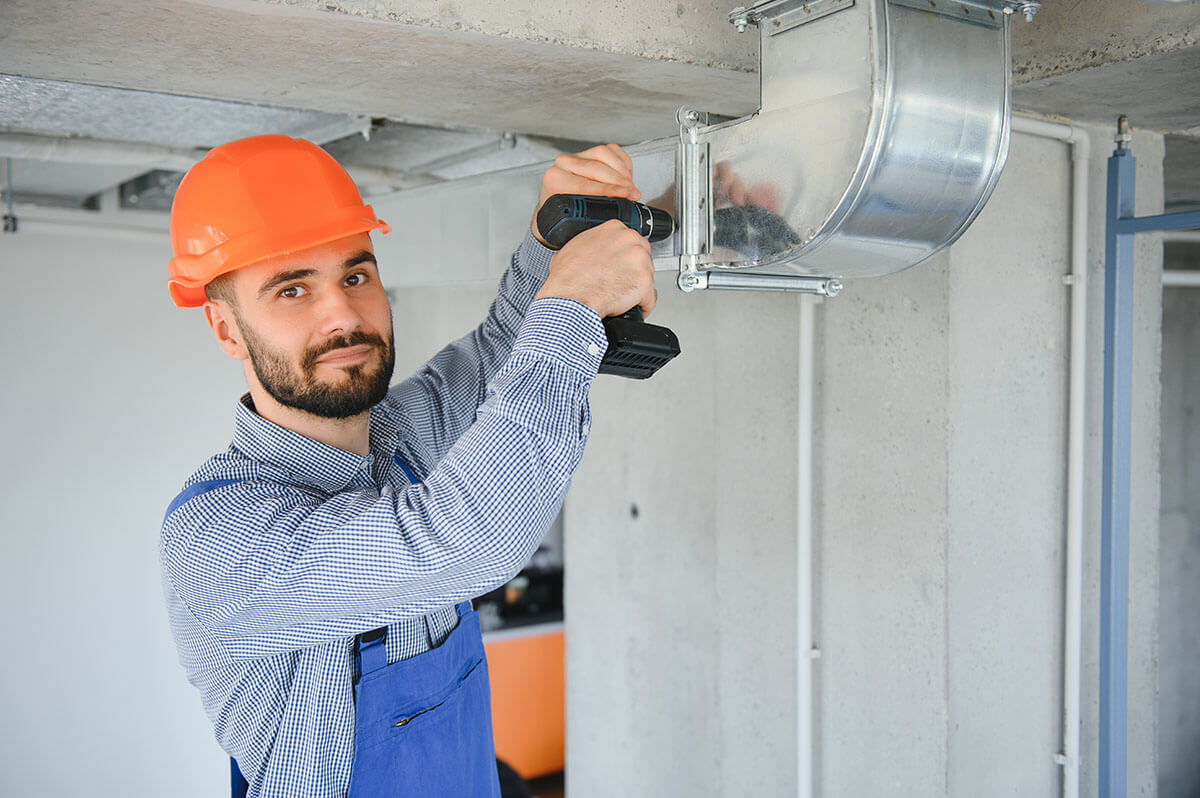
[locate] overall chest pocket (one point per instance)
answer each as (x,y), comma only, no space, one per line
(439,748)
(431,712)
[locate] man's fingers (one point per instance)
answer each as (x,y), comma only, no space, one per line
(605,170)
(582,185)
(608,268)
(649,301)
(639,271)
(612,155)
(592,169)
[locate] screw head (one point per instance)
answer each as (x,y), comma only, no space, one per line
(739,19)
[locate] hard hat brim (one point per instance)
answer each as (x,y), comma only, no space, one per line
(187,287)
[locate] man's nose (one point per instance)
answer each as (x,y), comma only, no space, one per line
(337,313)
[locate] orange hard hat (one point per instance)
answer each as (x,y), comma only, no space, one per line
(255,198)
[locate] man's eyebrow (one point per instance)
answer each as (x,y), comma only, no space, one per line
(283,277)
(364,256)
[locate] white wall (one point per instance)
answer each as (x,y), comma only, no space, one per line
(112,397)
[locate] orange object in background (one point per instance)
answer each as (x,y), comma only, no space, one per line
(528,699)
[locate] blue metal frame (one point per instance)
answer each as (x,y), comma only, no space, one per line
(1121,225)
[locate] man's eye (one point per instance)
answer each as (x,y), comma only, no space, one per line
(358,278)
(292,292)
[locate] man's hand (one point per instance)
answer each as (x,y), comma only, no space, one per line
(608,268)
(606,170)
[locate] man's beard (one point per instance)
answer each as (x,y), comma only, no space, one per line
(357,393)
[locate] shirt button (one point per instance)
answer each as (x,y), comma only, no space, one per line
(593,350)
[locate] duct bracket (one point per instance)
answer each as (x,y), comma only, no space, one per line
(717,280)
(981,12)
(779,16)
(693,206)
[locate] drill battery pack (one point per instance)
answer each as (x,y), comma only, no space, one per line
(636,349)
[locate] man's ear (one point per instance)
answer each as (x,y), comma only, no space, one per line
(223,322)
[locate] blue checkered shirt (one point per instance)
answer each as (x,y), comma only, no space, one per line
(269,580)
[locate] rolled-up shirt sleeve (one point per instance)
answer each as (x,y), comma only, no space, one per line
(264,566)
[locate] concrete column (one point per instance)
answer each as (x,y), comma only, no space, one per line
(680,554)
(1179,557)
(880,558)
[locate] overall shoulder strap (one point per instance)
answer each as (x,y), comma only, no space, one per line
(408,472)
(192,491)
(237,782)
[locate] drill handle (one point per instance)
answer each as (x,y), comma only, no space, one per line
(633,314)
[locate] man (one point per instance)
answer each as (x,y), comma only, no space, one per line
(318,572)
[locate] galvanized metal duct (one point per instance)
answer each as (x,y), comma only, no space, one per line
(883,128)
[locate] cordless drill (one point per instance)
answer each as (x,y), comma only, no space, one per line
(635,349)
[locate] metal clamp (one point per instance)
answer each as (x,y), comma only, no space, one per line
(783,15)
(985,12)
(720,280)
(693,206)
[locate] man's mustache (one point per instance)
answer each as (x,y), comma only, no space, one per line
(356,338)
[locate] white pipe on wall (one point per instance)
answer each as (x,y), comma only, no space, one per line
(1080,143)
(1181,278)
(804,532)
(107,223)
(61,149)
(96,151)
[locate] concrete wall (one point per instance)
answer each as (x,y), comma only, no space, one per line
(1179,558)
(939,552)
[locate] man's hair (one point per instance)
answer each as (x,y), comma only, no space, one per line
(221,288)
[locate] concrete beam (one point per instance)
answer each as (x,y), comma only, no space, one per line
(1068,37)
(694,33)
(591,70)
(1093,61)
(573,78)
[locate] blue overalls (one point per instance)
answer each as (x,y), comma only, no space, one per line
(423,726)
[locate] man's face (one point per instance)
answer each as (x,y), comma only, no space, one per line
(317,327)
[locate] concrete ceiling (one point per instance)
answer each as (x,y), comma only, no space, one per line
(443,77)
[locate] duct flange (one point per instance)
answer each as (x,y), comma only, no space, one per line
(882,130)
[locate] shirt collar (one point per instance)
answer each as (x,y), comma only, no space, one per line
(308,461)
